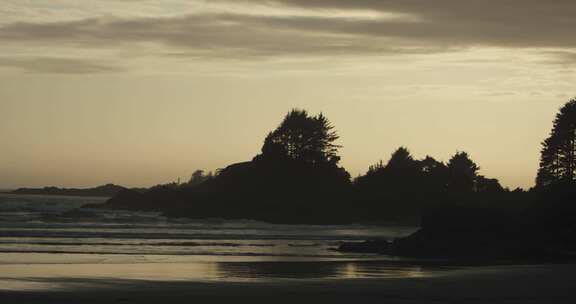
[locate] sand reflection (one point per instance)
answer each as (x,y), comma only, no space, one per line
(318,270)
(62,276)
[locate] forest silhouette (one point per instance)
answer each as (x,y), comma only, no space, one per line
(296,178)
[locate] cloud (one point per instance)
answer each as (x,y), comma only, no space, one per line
(567,58)
(427,27)
(220,35)
(58,65)
(506,23)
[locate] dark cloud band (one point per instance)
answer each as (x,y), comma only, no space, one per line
(58,65)
(436,26)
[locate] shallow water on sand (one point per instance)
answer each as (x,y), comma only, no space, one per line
(59,276)
(43,237)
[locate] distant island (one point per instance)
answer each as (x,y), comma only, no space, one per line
(296,178)
(108,190)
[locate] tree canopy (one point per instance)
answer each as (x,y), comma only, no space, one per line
(404,173)
(463,173)
(303,137)
(557,158)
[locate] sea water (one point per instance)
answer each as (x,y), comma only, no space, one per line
(52,236)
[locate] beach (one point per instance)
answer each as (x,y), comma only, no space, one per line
(52,252)
(487,284)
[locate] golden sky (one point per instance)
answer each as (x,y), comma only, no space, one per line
(139,92)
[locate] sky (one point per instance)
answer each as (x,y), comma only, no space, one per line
(141,92)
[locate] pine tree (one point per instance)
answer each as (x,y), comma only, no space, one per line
(303,137)
(558,154)
(462,172)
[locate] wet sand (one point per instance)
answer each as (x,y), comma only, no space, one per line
(494,284)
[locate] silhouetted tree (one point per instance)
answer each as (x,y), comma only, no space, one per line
(303,137)
(462,173)
(435,175)
(558,154)
(401,173)
(373,169)
(402,160)
(198,177)
(548,171)
(488,185)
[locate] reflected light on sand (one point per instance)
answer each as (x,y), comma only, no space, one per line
(77,276)
(62,276)
(367,270)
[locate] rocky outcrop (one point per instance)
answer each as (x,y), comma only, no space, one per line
(107,190)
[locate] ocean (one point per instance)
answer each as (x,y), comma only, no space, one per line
(51,236)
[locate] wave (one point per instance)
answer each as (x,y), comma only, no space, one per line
(304,245)
(179,236)
(154,222)
(204,253)
(174,244)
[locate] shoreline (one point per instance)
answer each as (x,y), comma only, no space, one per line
(496,284)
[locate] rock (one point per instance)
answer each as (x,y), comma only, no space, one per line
(370,246)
